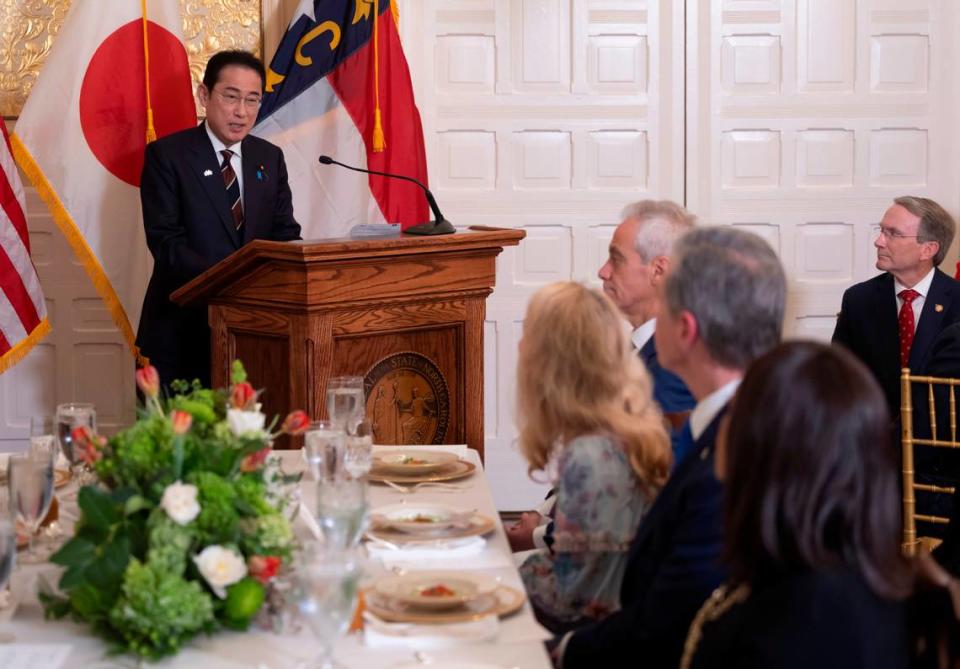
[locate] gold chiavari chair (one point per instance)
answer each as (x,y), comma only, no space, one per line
(910,517)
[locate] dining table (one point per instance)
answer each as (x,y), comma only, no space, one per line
(515,641)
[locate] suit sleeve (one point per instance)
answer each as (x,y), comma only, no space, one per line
(654,627)
(842,333)
(285,226)
(160,198)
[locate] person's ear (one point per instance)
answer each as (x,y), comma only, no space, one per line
(659,267)
(203,94)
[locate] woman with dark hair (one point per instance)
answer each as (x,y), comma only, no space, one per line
(812,522)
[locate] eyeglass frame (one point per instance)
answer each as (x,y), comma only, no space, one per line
(893,235)
(232,99)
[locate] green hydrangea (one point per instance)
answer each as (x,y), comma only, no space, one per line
(168,544)
(269,534)
(158,611)
(252,494)
(218,519)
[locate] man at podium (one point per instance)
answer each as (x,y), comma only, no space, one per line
(205,192)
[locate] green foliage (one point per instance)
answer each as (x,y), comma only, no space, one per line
(128,570)
(157,611)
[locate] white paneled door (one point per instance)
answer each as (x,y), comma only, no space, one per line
(546,115)
(797,119)
(805,118)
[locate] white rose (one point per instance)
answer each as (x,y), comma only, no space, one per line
(220,567)
(180,502)
(242,422)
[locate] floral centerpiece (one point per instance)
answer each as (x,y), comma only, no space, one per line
(186,528)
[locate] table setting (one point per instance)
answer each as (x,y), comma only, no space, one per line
(391,556)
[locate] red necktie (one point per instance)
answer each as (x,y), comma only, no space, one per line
(906,324)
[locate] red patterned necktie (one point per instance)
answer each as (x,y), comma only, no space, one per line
(233,188)
(906,324)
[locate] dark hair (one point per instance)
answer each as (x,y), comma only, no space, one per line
(222,59)
(811,475)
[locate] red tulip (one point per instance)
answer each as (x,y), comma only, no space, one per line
(254,461)
(86,445)
(181,421)
(148,381)
(242,396)
(296,422)
(263,567)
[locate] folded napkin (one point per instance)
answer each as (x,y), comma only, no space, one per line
(467,553)
(378,633)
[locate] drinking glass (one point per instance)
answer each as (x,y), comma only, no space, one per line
(342,511)
(345,401)
(325,591)
(42,431)
(323,446)
(30,480)
(70,416)
(358,454)
(8,548)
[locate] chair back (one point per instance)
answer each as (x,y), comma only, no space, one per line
(908,422)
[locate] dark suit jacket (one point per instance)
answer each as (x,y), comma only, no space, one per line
(669,390)
(867,326)
(673,565)
(189,228)
(824,619)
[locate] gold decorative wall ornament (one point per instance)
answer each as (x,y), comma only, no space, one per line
(29,28)
(407,400)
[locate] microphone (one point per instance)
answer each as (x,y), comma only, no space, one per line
(438,226)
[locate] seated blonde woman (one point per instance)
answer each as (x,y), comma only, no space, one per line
(586,414)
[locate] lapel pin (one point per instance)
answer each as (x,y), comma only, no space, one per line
(261,173)
(208,173)
(938,308)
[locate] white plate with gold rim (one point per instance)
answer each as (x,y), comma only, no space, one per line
(419,518)
(435,590)
(411,462)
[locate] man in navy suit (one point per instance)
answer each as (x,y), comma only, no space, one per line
(638,261)
(892,320)
(205,192)
(723,306)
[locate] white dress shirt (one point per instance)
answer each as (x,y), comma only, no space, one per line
(922,287)
(236,160)
(642,334)
(708,408)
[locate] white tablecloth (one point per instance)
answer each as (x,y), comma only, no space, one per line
(518,645)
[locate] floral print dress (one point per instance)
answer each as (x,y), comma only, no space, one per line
(599,507)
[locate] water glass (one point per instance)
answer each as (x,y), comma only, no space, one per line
(346,405)
(30,480)
(324,590)
(69,416)
(342,511)
(323,447)
(42,430)
(358,454)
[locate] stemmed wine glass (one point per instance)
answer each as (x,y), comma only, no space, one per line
(325,591)
(69,416)
(345,402)
(8,548)
(30,480)
(358,453)
(342,511)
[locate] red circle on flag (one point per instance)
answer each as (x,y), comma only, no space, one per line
(113,100)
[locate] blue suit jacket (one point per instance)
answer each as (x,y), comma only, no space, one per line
(669,391)
(673,566)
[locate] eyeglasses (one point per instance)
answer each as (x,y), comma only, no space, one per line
(894,235)
(232,99)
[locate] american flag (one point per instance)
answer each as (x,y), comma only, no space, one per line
(23,312)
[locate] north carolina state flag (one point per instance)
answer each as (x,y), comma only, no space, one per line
(81,136)
(339,85)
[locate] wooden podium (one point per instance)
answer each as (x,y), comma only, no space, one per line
(406,313)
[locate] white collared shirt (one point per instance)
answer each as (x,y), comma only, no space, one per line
(236,160)
(708,408)
(642,334)
(922,287)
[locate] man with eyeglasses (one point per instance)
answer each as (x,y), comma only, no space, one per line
(892,320)
(205,192)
